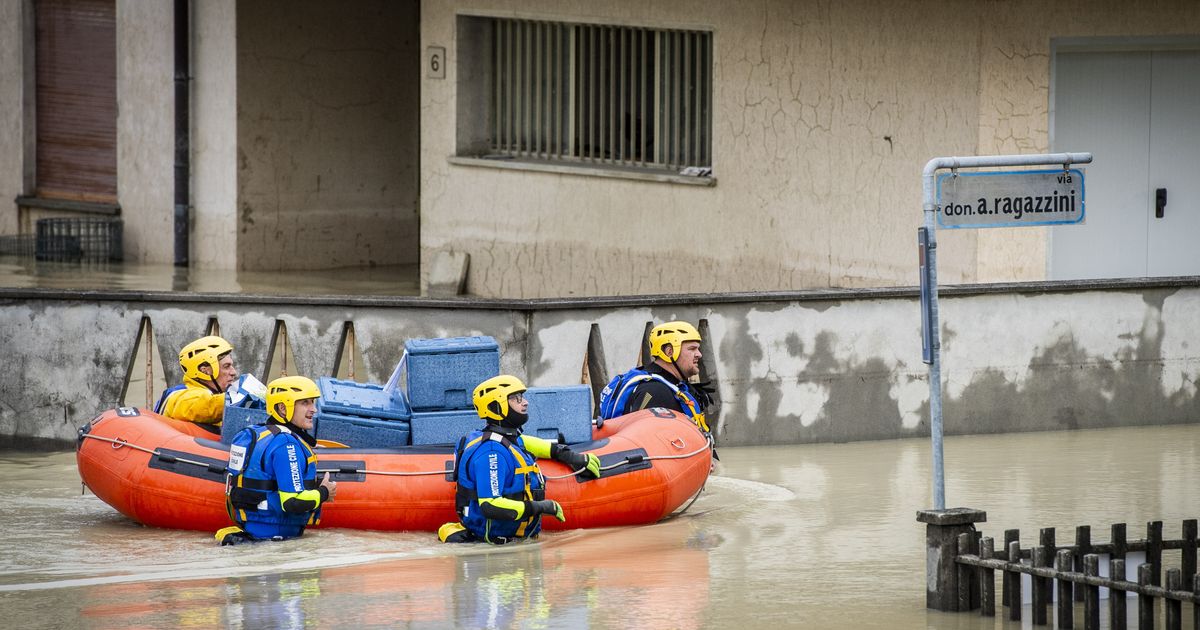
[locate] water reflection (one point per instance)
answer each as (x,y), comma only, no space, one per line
(17,272)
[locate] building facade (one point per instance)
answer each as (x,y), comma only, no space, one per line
(616,148)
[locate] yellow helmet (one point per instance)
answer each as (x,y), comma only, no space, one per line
(673,333)
(491,396)
(287,390)
(203,351)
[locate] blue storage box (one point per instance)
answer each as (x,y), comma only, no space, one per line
(443,427)
(565,411)
(361,399)
(359,432)
(443,373)
(237,418)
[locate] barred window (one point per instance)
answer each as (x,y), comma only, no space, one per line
(590,94)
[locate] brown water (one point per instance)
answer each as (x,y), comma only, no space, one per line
(20,272)
(820,536)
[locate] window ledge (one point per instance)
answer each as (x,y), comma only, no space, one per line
(592,170)
(68,205)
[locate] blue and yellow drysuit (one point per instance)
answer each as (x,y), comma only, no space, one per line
(192,402)
(498,481)
(272,486)
(640,388)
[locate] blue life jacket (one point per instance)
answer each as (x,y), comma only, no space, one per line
(615,396)
(162,400)
(251,486)
(524,484)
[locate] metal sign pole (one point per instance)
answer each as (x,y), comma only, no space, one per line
(932,334)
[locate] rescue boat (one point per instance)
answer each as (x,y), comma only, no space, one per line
(166,473)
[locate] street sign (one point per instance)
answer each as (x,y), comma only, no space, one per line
(1010,198)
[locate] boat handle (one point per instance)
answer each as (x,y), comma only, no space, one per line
(118,443)
(678,443)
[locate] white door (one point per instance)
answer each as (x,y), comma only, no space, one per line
(1173,246)
(1138,113)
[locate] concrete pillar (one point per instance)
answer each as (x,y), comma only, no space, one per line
(941,545)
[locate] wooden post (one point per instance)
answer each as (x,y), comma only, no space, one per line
(1187,562)
(987,591)
(1043,586)
(966,544)
(1039,592)
(1118,542)
(1154,550)
(1091,593)
(1010,536)
(1116,597)
(1174,606)
(1014,591)
(1145,602)
(1083,546)
(1196,602)
(1066,603)
(942,528)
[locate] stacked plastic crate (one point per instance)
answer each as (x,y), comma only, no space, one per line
(441,376)
(362,415)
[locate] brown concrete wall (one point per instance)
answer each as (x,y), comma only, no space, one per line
(829,366)
(327,134)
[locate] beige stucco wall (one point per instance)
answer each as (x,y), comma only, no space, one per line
(146,128)
(327,134)
(214,135)
(12,125)
(811,191)
(1015,59)
(825,114)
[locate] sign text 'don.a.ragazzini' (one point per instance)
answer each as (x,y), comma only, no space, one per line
(1010,198)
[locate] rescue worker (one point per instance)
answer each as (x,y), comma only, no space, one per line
(665,382)
(272,491)
(501,494)
(208,371)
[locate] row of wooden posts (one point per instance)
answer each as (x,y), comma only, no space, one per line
(963,563)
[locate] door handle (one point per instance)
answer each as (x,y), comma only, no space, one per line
(1160,202)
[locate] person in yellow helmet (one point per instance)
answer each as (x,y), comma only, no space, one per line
(665,381)
(208,371)
(271,488)
(501,493)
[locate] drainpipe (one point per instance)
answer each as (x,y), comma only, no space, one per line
(182,132)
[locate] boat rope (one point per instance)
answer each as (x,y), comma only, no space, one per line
(118,443)
(637,459)
(634,459)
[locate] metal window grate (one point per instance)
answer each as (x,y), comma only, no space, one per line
(17,245)
(79,239)
(601,94)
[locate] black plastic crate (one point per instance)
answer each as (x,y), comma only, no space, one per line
(79,239)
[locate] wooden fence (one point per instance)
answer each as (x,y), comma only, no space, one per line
(1071,573)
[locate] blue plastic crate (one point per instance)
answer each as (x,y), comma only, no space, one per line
(361,399)
(443,427)
(237,418)
(560,411)
(442,373)
(359,432)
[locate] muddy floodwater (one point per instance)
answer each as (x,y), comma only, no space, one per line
(817,536)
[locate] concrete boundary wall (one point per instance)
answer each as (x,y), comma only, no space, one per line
(791,367)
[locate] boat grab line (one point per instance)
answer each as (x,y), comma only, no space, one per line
(118,443)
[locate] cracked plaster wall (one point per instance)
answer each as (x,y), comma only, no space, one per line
(146,129)
(327,126)
(12,117)
(1015,59)
(824,115)
(823,369)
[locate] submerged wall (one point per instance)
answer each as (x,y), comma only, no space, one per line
(826,366)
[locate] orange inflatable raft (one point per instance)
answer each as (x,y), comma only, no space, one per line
(166,473)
